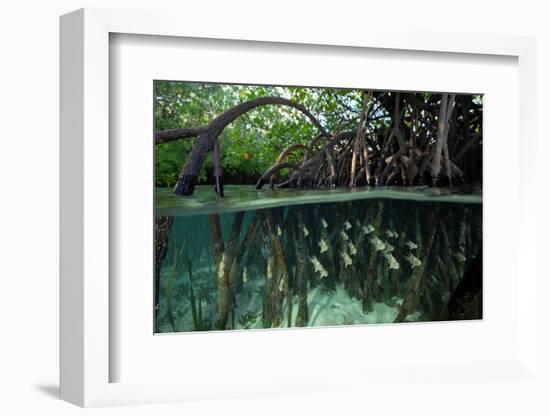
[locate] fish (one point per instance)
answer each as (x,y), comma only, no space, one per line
(393,264)
(347,225)
(367,229)
(395,235)
(411,245)
(344,236)
(389,233)
(352,249)
(347,259)
(323,245)
(318,267)
(377,243)
(414,261)
(324,223)
(305,230)
(460,257)
(279,231)
(245,275)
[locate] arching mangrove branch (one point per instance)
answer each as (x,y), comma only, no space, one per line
(208,135)
(399,138)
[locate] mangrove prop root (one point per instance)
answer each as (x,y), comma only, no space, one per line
(466,300)
(422,140)
(277,275)
(217,239)
(170,286)
(208,135)
(371,278)
(413,295)
(302,316)
(163,225)
(225,280)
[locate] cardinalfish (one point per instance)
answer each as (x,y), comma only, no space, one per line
(392,234)
(347,259)
(279,231)
(344,236)
(305,230)
(413,260)
(377,243)
(323,245)
(460,257)
(324,223)
(367,229)
(347,225)
(411,245)
(393,264)
(318,267)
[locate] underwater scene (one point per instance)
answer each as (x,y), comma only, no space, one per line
(288,206)
(371,256)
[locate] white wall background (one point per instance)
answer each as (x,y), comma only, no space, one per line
(29,207)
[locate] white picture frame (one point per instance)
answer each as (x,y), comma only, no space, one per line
(86,356)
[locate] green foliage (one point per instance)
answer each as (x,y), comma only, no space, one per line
(252,143)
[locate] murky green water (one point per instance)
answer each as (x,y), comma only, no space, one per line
(286,258)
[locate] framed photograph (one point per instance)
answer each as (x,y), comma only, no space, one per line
(281,213)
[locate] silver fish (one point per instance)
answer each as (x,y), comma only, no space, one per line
(318,267)
(367,229)
(347,259)
(344,236)
(460,257)
(393,264)
(323,245)
(352,249)
(377,243)
(413,260)
(411,245)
